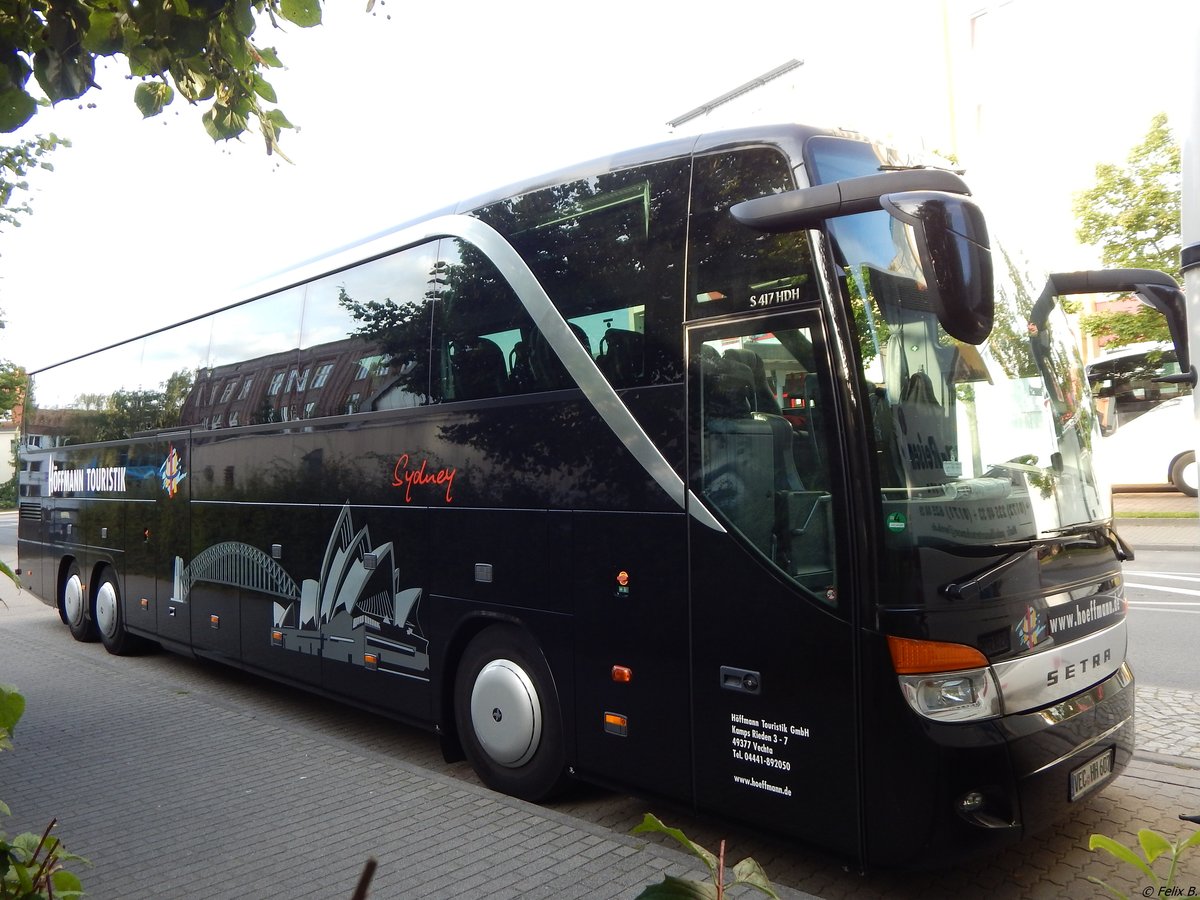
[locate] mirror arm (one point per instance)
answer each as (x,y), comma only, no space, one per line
(809,207)
(1156,289)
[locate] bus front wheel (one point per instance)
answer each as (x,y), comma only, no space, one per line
(74,608)
(1183,473)
(507,714)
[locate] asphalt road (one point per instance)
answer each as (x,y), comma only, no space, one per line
(1163,590)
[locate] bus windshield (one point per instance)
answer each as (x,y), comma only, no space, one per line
(975,445)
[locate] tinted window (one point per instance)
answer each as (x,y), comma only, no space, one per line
(136,387)
(253,353)
(482,333)
(733,268)
(366,333)
(609,252)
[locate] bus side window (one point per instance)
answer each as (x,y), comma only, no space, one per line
(762,463)
(609,253)
(365,342)
(482,335)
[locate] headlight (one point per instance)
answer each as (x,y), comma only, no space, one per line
(953,696)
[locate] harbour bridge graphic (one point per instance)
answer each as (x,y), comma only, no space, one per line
(356,612)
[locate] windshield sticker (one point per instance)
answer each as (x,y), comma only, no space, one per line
(1031,629)
(709,296)
(896,522)
(421,476)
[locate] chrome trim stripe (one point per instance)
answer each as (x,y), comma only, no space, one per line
(577,361)
(1062,670)
(1090,742)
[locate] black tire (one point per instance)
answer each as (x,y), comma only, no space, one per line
(1183,473)
(74,606)
(110,617)
(507,713)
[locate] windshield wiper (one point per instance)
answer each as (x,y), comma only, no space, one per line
(958,590)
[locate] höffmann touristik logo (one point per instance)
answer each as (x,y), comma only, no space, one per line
(92,478)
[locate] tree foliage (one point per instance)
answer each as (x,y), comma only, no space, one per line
(1132,214)
(204,50)
(16,162)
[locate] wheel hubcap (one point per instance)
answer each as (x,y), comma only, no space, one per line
(106,609)
(506,713)
(73,604)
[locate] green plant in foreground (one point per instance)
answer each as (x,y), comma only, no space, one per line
(30,864)
(1153,845)
(747,872)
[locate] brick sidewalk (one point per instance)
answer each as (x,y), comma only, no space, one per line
(181,779)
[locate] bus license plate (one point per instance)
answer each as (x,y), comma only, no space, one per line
(1091,773)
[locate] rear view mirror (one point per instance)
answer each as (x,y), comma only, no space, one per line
(952,242)
(947,231)
(1156,289)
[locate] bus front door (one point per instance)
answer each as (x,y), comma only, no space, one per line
(774,715)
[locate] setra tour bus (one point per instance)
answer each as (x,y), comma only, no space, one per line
(742,470)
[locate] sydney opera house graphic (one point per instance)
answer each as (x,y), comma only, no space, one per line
(356,612)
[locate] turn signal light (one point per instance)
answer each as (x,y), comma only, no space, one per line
(615,723)
(913,657)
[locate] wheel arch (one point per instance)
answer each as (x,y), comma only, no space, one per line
(467,629)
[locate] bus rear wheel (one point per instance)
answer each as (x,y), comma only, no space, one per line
(507,715)
(1183,473)
(110,618)
(74,608)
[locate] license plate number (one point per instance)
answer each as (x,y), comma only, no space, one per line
(1091,773)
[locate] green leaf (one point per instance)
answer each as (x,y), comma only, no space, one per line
(4,810)
(1153,844)
(60,76)
(195,85)
(270,57)
(223,123)
(652,825)
(103,36)
(264,90)
(152,96)
(16,108)
(278,119)
(749,872)
(304,13)
(12,707)
(66,884)
(243,18)
(1108,887)
(1122,853)
(672,888)
(1193,841)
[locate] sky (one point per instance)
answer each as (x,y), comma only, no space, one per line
(415,106)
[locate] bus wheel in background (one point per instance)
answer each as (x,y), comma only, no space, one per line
(73,606)
(110,618)
(507,714)
(1183,473)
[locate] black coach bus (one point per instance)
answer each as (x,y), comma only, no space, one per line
(747,470)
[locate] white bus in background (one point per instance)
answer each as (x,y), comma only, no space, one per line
(1146,417)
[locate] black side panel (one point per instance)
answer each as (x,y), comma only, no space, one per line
(631,612)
